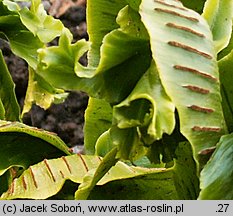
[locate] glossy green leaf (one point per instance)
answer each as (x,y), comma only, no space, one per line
(41,93)
(57,63)
(22,145)
(147,107)
(119,55)
(225,68)
(128,141)
(217,175)
(46,178)
(134,4)
(122,53)
(15,32)
(6,180)
(98,119)
(219,15)
(104,144)
(228,49)
(27,51)
(12,6)
(187,66)
(130,146)
(33,26)
(132,56)
(101,19)
(39,23)
(123,43)
(10,108)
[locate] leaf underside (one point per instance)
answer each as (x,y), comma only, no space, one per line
(187,66)
(45,179)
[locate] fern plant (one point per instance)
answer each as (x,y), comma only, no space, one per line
(159,116)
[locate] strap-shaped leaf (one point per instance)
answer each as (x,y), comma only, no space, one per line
(219,15)
(217,175)
(183,50)
(22,145)
(45,179)
(10,108)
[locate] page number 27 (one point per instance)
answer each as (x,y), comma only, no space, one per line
(222,207)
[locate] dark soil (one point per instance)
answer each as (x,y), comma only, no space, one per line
(65,119)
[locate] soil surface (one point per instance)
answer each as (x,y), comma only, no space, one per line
(65,119)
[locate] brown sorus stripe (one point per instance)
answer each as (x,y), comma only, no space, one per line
(12,187)
(176,14)
(170,5)
(83,161)
(62,175)
(24,183)
(196,89)
(187,69)
(183,28)
(49,169)
(206,129)
(33,177)
(66,163)
(201,109)
(190,49)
